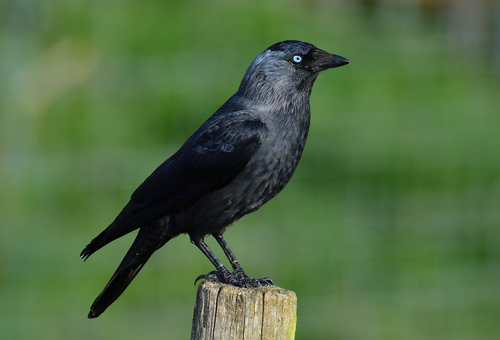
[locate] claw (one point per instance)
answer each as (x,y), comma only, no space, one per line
(238,278)
(251,282)
(247,281)
(266,281)
(212,276)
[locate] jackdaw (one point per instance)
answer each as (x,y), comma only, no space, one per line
(239,159)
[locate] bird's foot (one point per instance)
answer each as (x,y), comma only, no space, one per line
(238,278)
(222,275)
(213,276)
(247,281)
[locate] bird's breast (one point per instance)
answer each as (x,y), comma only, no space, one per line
(265,175)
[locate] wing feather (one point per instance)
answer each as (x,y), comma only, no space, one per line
(208,161)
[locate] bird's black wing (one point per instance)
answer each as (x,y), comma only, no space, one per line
(208,161)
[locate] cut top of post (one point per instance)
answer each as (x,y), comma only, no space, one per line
(224,312)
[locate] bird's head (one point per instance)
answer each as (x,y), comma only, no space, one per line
(287,66)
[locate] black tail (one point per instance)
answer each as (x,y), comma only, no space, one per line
(97,243)
(139,253)
(128,220)
(115,287)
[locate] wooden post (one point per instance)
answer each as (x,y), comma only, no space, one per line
(225,312)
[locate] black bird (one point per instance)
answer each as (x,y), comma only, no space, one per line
(239,159)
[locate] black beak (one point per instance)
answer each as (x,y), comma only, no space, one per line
(325,60)
(334,61)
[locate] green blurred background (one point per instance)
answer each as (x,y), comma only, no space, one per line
(388,230)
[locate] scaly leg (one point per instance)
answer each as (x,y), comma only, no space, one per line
(239,273)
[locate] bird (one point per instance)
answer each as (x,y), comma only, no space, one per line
(237,160)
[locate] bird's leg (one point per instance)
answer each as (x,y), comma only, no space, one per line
(238,272)
(221,274)
(231,257)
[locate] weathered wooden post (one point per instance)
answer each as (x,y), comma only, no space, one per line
(225,312)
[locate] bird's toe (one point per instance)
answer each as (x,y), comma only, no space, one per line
(214,276)
(247,281)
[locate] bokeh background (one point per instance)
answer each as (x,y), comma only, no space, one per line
(388,230)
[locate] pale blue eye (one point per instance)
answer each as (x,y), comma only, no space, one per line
(297,58)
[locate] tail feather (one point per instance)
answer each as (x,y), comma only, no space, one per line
(130,218)
(115,287)
(145,244)
(94,245)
